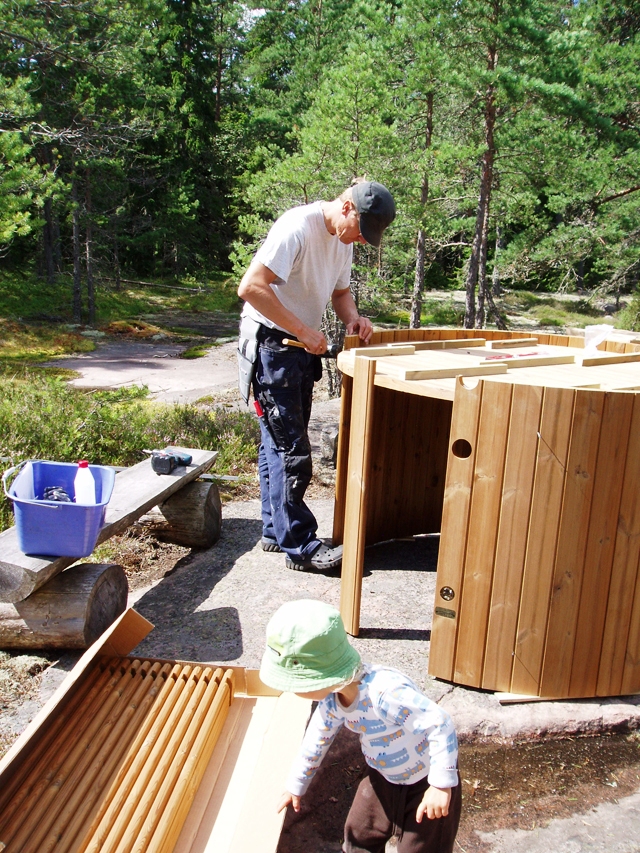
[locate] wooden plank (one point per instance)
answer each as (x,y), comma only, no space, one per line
(342,459)
(619,670)
(524,424)
(572,543)
(442,389)
(30,835)
(610,358)
(455,514)
(408,371)
(81,802)
(484,517)
(609,478)
(553,447)
(190,766)
(362,413)
(454,343)
(235,808)
(512,342)
(390,350)
(136,490)
(520,361)
(125,633)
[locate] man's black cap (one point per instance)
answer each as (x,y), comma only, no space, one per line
(376,207)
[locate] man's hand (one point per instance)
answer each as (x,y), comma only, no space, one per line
(435,803)
(288,799)
(362,327)
(314,342)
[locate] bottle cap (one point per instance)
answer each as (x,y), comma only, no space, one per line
(83,463)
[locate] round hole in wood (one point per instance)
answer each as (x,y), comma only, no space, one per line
(461,448)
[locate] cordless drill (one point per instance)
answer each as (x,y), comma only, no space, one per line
(164,461)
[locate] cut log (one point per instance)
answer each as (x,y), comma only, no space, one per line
(69,612)
(192,517)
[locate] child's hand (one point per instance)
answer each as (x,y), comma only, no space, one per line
(288,799)
(435,803)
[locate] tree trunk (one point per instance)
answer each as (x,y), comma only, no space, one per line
(116,262)
(418,281)
(69,612)
(482,271)
(496,287)
(479,246)
(47,242)
(77,280)
(91,298)
(192,517)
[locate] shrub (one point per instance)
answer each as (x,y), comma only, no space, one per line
(41,417)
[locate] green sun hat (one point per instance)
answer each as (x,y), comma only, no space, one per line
(307,648)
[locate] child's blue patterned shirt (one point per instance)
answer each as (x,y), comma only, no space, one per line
(403,734)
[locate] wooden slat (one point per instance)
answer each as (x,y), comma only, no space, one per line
(408,368)
(342,459)
(619,670)
(455,514)
(142,776)
(362,413)
(82,797)
(526,407)
(482,533)
(96,832)
(52,749)
(572,543)
(136,491)
(171,804)
(611,463)
(390,350)
(553,446)
(610,358)
(512,342)
(518,362)
(28,835)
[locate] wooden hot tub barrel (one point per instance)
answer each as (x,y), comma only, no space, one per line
(539,512)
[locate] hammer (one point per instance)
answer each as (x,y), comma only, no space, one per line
(331,352)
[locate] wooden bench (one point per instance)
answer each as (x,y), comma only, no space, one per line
(41,605)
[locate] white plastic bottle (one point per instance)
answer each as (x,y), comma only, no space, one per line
(84,485)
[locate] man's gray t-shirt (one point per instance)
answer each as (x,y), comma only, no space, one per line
(309,264)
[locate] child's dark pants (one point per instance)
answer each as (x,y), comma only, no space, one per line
(382,810)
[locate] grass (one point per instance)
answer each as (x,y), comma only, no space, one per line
(42,418)
(23,296)
(22,342)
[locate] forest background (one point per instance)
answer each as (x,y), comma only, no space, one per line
(158,139)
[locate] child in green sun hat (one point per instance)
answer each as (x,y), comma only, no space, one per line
(411,790)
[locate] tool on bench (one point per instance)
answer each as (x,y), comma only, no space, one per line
(163,461)
(330,352)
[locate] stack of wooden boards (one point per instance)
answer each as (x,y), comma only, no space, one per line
(142,755)
(522,360)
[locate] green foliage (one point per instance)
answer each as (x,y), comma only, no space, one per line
(41,417)
(173,133)
(24,296)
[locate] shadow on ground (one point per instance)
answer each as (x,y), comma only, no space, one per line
(182,630)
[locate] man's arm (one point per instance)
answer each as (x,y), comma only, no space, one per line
(345,308)
(255,288)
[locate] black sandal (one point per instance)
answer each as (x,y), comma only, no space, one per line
(322,559)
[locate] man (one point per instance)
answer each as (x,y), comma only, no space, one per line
(304,261)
